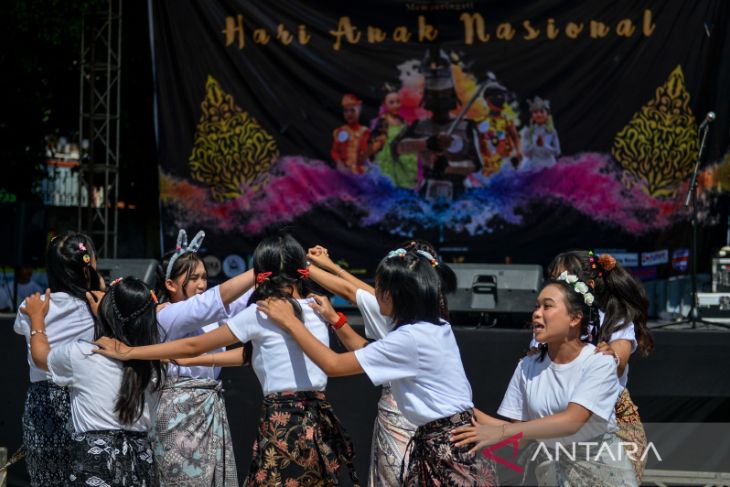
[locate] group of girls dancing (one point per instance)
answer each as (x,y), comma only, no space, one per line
(125,387)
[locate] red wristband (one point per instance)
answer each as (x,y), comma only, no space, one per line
(340,322)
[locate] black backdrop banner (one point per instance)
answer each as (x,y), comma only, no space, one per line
(494,129)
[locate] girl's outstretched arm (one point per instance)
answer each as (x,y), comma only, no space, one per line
(183,348)
(349,337)
(319,256)
(564,423)
(230,358)
(235,287)
(484,418)
(332,283)
(332,363)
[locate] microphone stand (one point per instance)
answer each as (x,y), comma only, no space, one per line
(693,317)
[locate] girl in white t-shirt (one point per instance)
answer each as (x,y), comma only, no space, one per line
(112,402)
(192,438)
(71,269)
(563,396)
(421,361)
(392,431)
(619,329)
(300,440)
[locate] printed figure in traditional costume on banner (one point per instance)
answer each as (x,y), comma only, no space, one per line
(540,142)
(349,142)
(499,140)
(445,159)
(403,170)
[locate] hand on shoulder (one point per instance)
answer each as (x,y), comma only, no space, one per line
(280,311)
(36,306)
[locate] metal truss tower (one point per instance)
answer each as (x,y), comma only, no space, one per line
(99,124)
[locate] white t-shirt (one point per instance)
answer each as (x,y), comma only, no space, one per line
(543,388)
(93,382)
(68,320)
(423,364)
(626,333)
(377,326)
(24,290)
(279,362)
(197,315)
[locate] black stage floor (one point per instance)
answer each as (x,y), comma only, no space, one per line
(685,380)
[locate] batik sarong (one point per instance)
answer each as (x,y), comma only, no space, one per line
(631,431)
(47,432)
(391,435)
(113,458)
(300,442)
(191,438)
(436,461)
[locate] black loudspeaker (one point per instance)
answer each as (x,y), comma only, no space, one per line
(495,288)
(23,234)
(144,269)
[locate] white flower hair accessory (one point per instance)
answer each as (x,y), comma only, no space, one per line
(578,286)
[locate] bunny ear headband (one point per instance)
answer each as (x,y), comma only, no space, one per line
(182,247)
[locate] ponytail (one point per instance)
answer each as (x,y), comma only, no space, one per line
(623,300)
(279,264)
(69,264)
(446,275)
(621,297)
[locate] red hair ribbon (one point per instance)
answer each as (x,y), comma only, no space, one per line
(262,276)
(304,273)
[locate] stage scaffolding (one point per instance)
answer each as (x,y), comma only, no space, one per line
(101,69)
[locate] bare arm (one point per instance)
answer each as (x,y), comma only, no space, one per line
(183,348)
(332,363)
(484,418)
(349,337)
(320,257)
(233,288)
(230,358)
(333,284)
(37,309)
(565,423)
(620,350)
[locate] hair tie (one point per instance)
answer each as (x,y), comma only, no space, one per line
(116,281)
(396,253)
(428,256)
(183,247)
(85,258)
(304,273)
(262,276)
(608,262)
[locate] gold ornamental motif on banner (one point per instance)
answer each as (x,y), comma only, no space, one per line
(659,144)
(231,150)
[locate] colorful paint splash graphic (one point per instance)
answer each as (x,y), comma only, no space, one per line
(299,185)
(618,191)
